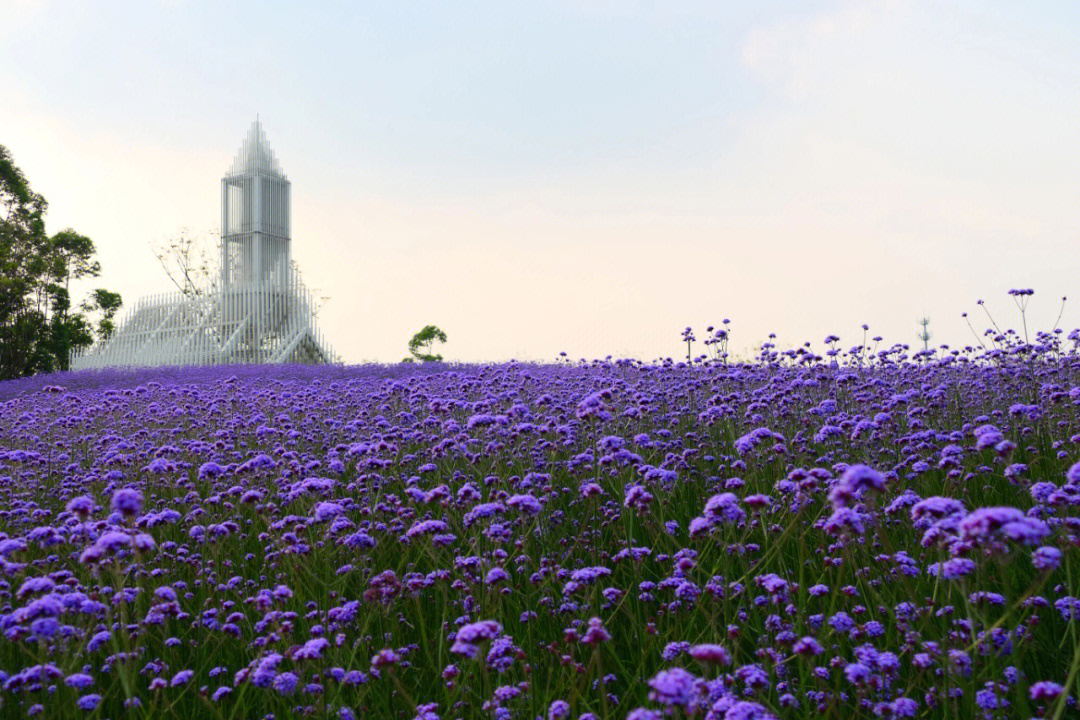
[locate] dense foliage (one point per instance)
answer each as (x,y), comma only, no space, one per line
(38,327)
(421,343)
(864,534)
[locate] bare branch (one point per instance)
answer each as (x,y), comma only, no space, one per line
(187,262)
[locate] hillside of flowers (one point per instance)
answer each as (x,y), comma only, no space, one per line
(868,532)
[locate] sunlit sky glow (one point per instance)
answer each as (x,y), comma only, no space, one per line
(582,176)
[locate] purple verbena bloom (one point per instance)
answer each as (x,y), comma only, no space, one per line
(674,687)
(285,683)
(181,677)
(1046,558)
(127,501)
(1044,690)
(524,503)
(710,654)
(79,681)
(88,702)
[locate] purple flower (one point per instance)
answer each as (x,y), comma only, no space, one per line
(469,637)
(862,477)
(1072,475)
(79,681)
(724,508)
(559,709)
(674,687)
(525,503)
(807,646)
(982,522)
(385,658)
(986,699)
(957,568)
(165,593)
(496,575)
(98,640)
(637,497)
(857,673)
(127,501)
(746,710)
(502,653)
(312,649)
(1046,558)
(757,501)
(88,702)
(591,489)
(181,678)
(987,436)
(327,510)
(936,507)
(844,520)
(643,714)
(285,683)
(114,540)
(426,527)
(595,633)
(710,654)
(1028,531)
(427,711)
(34,585)
(210,470)
(841,622)
(143,542)
(82,505)
(904,707)
(1044,690)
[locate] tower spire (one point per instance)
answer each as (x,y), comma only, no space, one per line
(255,154)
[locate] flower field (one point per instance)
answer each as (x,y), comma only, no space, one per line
(869,533)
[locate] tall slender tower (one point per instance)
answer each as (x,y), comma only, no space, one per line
(259,310)
(255,209)
(256,269)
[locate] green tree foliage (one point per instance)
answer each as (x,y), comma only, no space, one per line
(38,330)
(107,304)
(422,342)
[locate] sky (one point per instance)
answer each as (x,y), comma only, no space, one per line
(589,177)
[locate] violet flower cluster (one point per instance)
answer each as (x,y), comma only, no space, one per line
(856,534)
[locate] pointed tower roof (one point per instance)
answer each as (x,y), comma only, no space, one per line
(255,154)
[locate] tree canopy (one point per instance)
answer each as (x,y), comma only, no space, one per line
(422,342)
(38,329)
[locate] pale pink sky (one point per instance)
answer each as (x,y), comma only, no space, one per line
(799,171)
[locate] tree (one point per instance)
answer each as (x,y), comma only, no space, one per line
(425,339)
(38,330)
(191,266)
(107,303)
(187,262)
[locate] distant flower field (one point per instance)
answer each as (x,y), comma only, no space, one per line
(865,534)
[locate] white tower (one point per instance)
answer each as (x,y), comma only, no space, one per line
(258,311)
(255,216)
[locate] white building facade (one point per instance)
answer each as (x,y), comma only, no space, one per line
(258,310)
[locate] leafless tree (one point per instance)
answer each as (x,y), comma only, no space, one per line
(189,261)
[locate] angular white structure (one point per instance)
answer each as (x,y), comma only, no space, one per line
(258,310)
